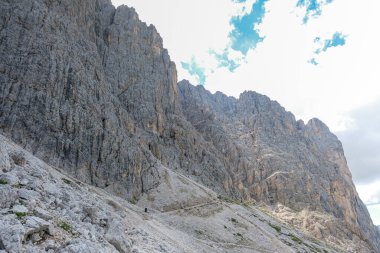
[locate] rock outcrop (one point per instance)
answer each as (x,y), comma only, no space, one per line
(90,89)
(78,80)
(273,158)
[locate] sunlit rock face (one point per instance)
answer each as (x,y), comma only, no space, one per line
(90,89)
(271,157)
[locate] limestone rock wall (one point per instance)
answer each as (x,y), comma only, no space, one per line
(89,88)
(271,157)
(78,80)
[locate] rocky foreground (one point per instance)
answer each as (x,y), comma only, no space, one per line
(43,210)
(88,88)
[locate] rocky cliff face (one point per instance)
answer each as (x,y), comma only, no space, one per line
(273,158)
(90,89)
(78,80)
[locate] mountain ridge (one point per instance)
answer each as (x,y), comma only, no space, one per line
(287,144)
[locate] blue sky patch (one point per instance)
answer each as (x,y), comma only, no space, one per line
(313,8)
(195,70)
(244,35)
(314,62)
(338,39)
(224,60)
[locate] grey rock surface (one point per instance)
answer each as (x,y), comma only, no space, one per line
(273,158)
(73,75)
(89,89)
(19,209)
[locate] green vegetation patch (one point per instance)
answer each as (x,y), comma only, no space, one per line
(133,200)
(235,201)
(313,248)
(296,239)
(20,214)
(226,199)
(2,181)
(316,250)
(66,181)
(65,226)
(246,203)
(275,227)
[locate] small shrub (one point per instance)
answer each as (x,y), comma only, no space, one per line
(66,181)
(65,226)
(277,228)
(133,200)
(296,239)
(2,181)
(226,199)
(234,220)
(198,232)
(18,186)
(313,249)
(20,215)
(246,203)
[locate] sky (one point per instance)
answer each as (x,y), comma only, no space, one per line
(317,58)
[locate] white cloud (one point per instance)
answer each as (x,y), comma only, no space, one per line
(345,78)
(370,194)
(375,213)
(362,144)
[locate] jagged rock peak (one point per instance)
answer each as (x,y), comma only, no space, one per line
(317,126)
